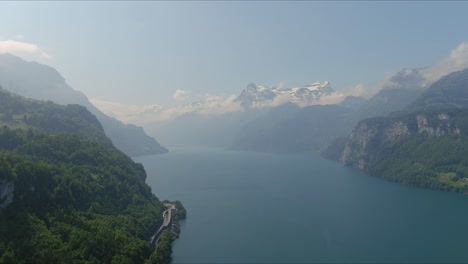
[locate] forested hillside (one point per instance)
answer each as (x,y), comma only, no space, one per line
(424,145)
(67,195)
(43,82)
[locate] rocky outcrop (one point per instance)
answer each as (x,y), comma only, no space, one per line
(7,189)
(356,147)
(444,128)
(370,134)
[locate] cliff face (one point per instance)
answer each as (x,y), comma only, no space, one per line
(425,144)
(7,189)
(370,134)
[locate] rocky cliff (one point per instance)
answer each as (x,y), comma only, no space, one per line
(371,134)
(427,149)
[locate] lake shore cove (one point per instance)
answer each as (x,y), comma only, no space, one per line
(163,251)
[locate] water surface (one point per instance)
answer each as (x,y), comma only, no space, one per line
(246,207)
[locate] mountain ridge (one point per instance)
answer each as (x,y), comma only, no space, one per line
(425,144)
(254,95)
(67,194)
(42,82)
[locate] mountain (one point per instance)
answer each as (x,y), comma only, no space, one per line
(288,128)
(255,95)
(20,113)
(387,101)
(245,122)
(424,145)
(215,120)
(315,127)
(67,195)
(42,82)
(424,148)
(398,91)
(449,91)
(205,130)
(353,101)
(257,135)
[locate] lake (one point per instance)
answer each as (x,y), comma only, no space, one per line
(245,207)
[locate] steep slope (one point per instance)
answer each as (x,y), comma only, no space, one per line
(387,101)
(290,129)
(255,94)
(42,82)
(426,148)
(67,195)
(20,113)
(425,145)
(400,89)
(353,101)
(213,131)
(449,91)
(257,135)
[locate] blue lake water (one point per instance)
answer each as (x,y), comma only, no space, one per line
(246,207)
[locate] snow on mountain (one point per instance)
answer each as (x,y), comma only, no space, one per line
(255,95)
(252,96)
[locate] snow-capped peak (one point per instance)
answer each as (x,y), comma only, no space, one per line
(307,94)
(317,86)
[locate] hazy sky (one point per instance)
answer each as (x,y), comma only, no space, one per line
(142,52)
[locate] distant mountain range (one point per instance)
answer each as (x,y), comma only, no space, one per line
(254,120)
(257,95)
(314,127)
(37,81)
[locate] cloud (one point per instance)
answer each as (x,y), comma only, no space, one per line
(123,112)
(358,90)
(338,96)
(209,105)
(406,78)
(457,60)
(217,105)
(276,101)
(417,78)
(23,49)
(180,95)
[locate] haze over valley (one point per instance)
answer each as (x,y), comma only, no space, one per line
(233,132)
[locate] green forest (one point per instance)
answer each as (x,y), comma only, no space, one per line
(77,199)
(420,159)
(436,162)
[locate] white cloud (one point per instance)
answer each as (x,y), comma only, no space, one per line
(358,90)
(123,112)
(457,60)
(180,95)
(338,96)
(142,115)
(217,105)
(276,101)
(23,49)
